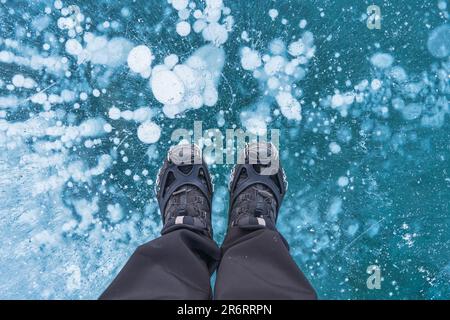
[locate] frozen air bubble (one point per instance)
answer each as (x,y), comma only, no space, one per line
(140,59)
(382,60)
(73,47)
(296,48)
(199,25)
(167,87)
(171,60)
(149,132)
(342,181)
(250,59)
(289,107)
(439,41)
(18,80)
(183,28)
(180,4)
(273,14)
(184,14)
(334,148)
(412,111)
(302,24)
(215,33)
(114,113)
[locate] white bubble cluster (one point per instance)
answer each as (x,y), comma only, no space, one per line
(189,85)
(71,20)
(138,115)
(214,22)
(256,118)
(394,88)
(99,49)
(20,81)
(250,59)
(280,69)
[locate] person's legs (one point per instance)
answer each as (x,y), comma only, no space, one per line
(256,263)
(177,265)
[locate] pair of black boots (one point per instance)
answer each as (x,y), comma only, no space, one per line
(184,189)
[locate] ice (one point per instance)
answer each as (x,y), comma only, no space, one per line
(277,47)
(18,80)
(398,74)
(58,4)
(53,64)
(274,65)
(86,210)
(352,229)
(83,133)
(334,210)
(337,100)
(199,25)
(296,48)
(73,281)
(92,127)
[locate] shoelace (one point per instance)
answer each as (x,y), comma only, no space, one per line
(186,202)
(256,202)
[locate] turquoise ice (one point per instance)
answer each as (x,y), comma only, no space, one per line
(91,91)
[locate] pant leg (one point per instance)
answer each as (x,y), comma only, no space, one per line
(257,265)
(177,265)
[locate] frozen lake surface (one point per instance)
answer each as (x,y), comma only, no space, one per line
(91,91)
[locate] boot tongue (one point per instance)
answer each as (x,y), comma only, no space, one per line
(187,208)
(187,201)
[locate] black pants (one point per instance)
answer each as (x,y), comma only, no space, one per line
(178,265)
